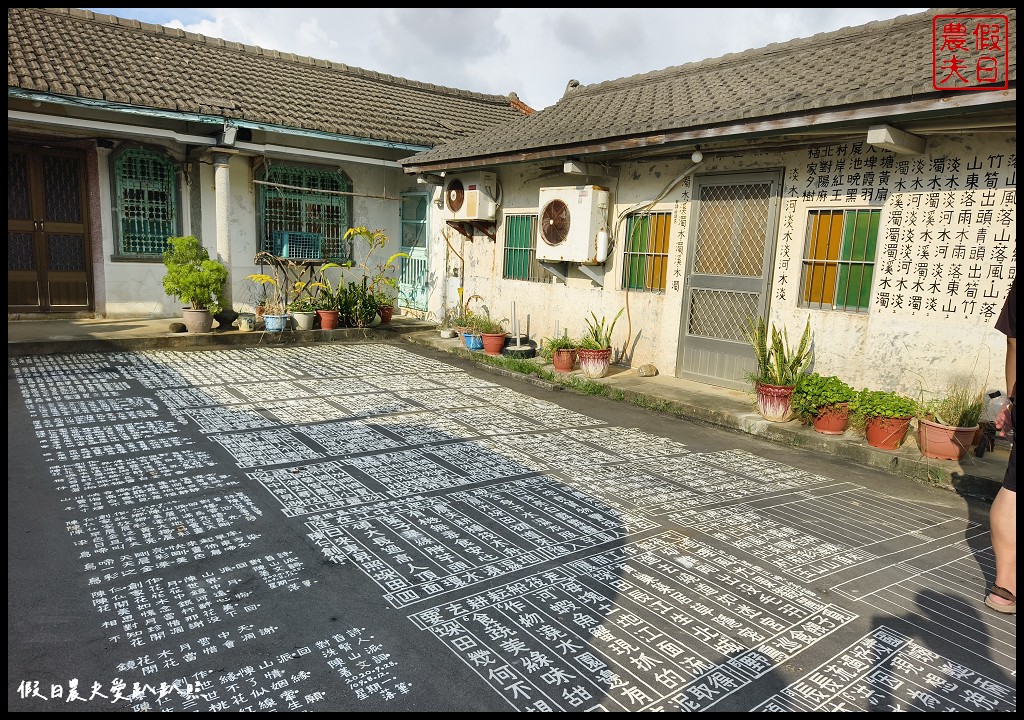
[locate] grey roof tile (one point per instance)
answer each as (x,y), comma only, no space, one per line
(68,51)
(880,61)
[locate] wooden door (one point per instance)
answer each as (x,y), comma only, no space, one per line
(48,268)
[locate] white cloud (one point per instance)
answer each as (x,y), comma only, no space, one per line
(532,52)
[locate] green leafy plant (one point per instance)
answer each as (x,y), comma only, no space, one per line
(599,332)
(328,294)
(192,277)
(815,392)
(561,342)
(357,305)
(868,404)
(778,363)
(303,304)
(487,325)
(961,406)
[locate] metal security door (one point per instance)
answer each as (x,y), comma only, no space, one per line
(47,245)
(413,270)
(731,246)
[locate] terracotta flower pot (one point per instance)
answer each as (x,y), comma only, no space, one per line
(328,319)
(494,343)
(832,420)
(945,442)
(886,433)
(564,359)
(775,402)
(386,313)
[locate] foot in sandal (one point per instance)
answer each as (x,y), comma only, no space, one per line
(1002,600)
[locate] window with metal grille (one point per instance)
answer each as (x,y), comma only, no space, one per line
(146,202)
(645,261)
(521,249)
(839,259)
(309,208)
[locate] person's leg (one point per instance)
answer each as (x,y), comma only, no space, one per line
(1003,520)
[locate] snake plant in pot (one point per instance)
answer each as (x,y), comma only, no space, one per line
(779,367)
(595,348)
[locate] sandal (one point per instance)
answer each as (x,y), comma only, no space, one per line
(1010,608)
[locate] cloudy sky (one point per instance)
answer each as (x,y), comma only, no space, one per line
(532,52)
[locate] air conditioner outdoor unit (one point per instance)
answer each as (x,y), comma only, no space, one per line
(573,224)
(471,196)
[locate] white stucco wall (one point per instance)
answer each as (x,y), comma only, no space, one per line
(134,289)
(949,213)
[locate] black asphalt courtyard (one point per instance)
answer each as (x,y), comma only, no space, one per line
(367,526)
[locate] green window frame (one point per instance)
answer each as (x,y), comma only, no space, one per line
(313,205)
(645,251)
(146,202)
(520,257)
(838,263)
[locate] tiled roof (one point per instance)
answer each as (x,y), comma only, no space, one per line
(880,61)
(71,52)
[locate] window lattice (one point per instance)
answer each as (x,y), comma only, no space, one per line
(147,201)
(731,229)
(721,314)
(839,259)
(308,200)
(645,265)
(520,261)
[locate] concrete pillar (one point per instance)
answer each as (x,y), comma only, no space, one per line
(222,186)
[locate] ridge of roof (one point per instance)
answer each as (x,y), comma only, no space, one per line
(198,38)
(849,33)
(732,89)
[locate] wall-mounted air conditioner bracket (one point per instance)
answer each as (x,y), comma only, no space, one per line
(559,269)
(594,272)
(466,227)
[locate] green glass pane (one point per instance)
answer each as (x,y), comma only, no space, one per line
(635,272)
(860,238)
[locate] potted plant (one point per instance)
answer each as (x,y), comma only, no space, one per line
(948,426)
(357,305)
(303,312)
(779,368)
(328,296)
(822,401)
(560,351)
(885,416)
(595,347)
(273,292)
(381,280)
(463,319)
(492,333)
(193,278)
